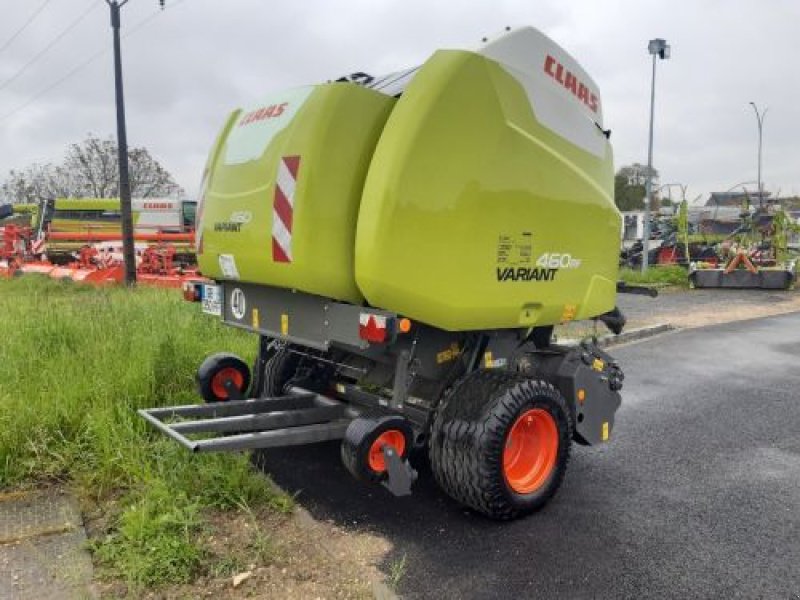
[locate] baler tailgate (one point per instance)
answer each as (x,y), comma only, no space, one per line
(300,418)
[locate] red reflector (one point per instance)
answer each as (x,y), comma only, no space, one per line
(191,291)
(372,328)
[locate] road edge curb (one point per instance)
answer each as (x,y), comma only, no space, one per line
(640,333)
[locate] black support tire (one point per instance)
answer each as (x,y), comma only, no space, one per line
(279,370)
(361,448)
(471,451)
(216,370)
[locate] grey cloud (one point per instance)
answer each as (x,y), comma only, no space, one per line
(193,63)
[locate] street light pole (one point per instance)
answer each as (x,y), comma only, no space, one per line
(122,152)
(760,119)
(669,187)
(658,48)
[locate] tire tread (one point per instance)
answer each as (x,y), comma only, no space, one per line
(468,436)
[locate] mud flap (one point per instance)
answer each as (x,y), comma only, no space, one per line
(590,380)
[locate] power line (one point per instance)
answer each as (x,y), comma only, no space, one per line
(25,25)
(47,48)
(85,63)
(55,84)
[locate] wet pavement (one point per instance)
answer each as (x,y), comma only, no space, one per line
(696,496)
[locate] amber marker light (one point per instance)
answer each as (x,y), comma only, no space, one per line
(404,325)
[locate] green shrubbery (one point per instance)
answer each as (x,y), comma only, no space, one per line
(673,276)
(75,364)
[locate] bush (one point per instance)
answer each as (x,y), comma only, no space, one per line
(674,276)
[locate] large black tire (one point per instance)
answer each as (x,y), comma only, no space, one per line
(469,436)
(279,370)
(215,369)
(361,439)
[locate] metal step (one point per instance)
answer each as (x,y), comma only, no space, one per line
(302,417)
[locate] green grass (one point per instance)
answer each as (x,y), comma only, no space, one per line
(75,364)
(397,570)
(672,276)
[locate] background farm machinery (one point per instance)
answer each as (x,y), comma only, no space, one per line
(81,239)
(753,250)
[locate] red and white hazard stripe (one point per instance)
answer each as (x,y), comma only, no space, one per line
(38,245)
(283,208)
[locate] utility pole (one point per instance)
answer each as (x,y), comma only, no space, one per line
(128,251)
(760,119)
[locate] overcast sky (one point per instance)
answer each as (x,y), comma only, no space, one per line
(187,66)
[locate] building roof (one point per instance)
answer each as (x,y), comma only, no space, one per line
(735,198)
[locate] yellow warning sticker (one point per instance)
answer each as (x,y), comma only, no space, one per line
(285,324)
(447,355)
(569,312)
(598,364)
(605,431)
(256,320)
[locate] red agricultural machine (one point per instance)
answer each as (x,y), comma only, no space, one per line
(749,251)
(81,240)
(15,247)
(756,255)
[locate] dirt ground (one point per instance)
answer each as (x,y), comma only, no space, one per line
(276,556)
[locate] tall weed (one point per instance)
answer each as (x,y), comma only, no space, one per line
(75,364)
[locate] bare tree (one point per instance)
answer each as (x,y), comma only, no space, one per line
(148,177)
(636,174)
(94,166)
(89,170)
(35,184)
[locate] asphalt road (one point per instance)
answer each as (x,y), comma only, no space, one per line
(698,495)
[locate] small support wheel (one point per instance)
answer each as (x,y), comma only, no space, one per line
(223,377)
(363,446)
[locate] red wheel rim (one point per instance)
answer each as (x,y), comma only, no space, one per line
(390,437)
(531,450)
(221,376)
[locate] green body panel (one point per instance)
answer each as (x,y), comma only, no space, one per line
(23,215)
(334,131)
(77,214)
(25,209)
(465,184)
(86,204)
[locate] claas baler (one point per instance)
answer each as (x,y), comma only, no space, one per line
(402,246)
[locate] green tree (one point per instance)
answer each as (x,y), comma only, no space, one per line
(628,196)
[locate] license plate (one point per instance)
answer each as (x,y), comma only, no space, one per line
(212,300)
